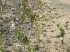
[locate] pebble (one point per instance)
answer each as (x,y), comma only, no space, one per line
(37,46)
(48,41)
(44,35)
(66,25)
(57,36)
(67,22)
(32,33)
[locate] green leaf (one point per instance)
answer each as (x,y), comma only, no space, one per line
(40,3)
(62,33)
(29,48)
(42,15)
(33,16)
(62,41)
(57,25)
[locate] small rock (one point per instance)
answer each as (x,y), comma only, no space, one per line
(57,36)
(67,22)
(36,46)
(53,21)
(1,22)
(43,46)
(32,33)
(52,36)
(56,41)
(66,25)
(48,41)
(35,8)
(44,35)
(56,14)
(44,30)
(48,25)
(28,28)
(52,30)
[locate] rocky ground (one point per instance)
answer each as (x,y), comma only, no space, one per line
(50,40)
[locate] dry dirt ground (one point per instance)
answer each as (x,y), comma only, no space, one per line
(50,39)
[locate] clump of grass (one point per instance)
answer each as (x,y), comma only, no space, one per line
(2,50)
(40,4)
(23,39)
(26,11)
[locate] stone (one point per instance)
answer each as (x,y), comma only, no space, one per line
(35,8)
(43,46)
(1,22)
(28,28)
(32,33)
(66,25)
(8,44)
(8,51)
(48,25)
(52,30)
(67,22)
(44,35)
(52,36)
(39,40)
(56,14)
(44,30)
(48,41)
(24,26)
(56,41)
(57,36)
(43,50)
(53,21)
(36,46)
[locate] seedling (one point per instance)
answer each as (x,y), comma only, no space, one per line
(62,33)
(42,16)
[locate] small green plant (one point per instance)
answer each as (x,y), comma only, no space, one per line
(42,16)
(23,39)
(26,10)
(40,4)
(57,26)
(62,33)
(39,29)
(50,16)
(46,19)
(2,50)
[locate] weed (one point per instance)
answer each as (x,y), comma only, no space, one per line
(2,50)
